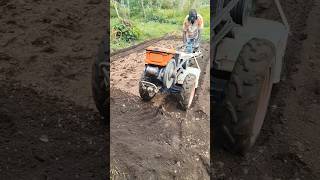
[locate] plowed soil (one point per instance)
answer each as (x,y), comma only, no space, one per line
(49,128)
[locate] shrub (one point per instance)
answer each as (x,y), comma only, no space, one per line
(124,30)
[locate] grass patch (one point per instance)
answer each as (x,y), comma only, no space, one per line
(148,30)
(158,23)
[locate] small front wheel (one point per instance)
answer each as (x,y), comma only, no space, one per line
(144,92)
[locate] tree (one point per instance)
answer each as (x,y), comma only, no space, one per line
(144,11)
(115,5)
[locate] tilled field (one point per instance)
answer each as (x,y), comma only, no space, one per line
(44,137)
(155,139)
(48,127)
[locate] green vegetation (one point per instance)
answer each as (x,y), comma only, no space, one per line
(135,21)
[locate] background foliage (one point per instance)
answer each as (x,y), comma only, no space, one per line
(134,21)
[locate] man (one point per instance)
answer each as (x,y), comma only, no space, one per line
(192,27)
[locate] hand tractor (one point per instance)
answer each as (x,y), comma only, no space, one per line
(171,71)
(247,60)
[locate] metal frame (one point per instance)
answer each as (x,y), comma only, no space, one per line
(227,49)
(147,84)
(184,59)
(221,14)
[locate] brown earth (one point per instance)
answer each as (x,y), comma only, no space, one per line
(44,137)
(48,127)
(288,147)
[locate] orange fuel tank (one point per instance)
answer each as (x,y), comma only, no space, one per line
(159,56)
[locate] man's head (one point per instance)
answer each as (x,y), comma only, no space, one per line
(192,16)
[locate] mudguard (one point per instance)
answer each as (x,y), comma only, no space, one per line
(189,70)
(229,48)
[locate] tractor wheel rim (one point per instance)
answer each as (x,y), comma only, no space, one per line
(262,105)
(168,78)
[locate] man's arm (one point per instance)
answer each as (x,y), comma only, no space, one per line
(184,29)
(184,36)
(201,26)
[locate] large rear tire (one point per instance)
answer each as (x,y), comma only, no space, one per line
(242,112)
(188,92)
(100,90)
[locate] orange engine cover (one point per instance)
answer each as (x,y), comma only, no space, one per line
(159,56)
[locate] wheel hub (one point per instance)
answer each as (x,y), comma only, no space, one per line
(169,74)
